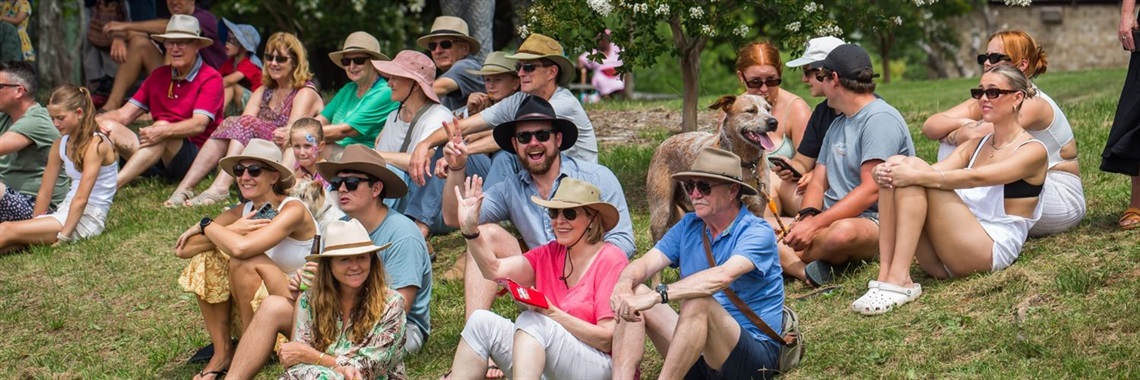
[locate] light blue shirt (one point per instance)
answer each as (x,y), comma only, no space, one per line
(509,199)
(406,263)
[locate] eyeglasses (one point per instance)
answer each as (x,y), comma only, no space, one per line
(757,82)
(991,93)
(702,187)
(177,43)
(350,183)
(254,170)
(2,85)
(542,136)
(445,44)
(357,60)
(280,59)
(530,67)
(994,58)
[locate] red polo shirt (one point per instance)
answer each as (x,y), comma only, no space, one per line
(176,100)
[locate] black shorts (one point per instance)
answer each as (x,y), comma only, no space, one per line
(178,166)
(750,359)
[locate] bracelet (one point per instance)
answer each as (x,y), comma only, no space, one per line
(470,236)
(459,169)
(320,359)
(943,180)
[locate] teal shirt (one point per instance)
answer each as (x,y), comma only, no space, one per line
(406,263)
(364,114)
(22,170)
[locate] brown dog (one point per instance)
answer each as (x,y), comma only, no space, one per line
(743,131)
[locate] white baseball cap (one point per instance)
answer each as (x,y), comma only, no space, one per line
(817,50)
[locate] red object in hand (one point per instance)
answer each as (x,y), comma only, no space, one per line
(528,296)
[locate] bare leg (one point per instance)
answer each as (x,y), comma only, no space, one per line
(244,282)
(274,316)
(529,357)
(15,235)
(480,292)
(146,157)
(658,323)
(143,56)
(204,163)
(125,141)
(467,364)
(217,316)
(845,240)
(707,329)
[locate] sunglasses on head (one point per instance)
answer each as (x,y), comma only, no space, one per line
(703,187)
(569,213)
(991,93)
(757,82)
(277,58)
(994,58)
(542,136)
(530,67)
(350,183)
(254,170)
(357,60)
(445,44)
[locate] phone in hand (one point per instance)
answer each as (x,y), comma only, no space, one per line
(265,212)
(783,164)
(527,296)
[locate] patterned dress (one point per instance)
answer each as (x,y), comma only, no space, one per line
(379,356)
(244,128)
(9,8)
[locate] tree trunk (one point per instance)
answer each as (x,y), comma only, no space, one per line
(886,40)
(690,49)
(58,64)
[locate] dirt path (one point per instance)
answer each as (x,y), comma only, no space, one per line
(642,126)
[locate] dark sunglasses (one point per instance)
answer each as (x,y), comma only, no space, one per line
(569,213)
(991,93)
(277,58)
(542,136)
(445,44)
(810,71)
(530,67)
(702,187)
(357,60)
(254,170)
(994,58)
(350,183)
(821,76)
(757,82)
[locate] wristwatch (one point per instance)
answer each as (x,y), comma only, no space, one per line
(664,291)
(202,224)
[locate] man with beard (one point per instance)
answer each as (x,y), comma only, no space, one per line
(536,137)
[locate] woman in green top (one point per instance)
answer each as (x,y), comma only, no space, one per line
(358,111)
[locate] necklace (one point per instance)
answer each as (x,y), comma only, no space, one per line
(993,143)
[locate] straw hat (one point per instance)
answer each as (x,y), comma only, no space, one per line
(246,36)
(450,26)
(496,63)
(346,238)
(359,42)
(718,164)
(183,27)
(263,151)
(534,108)
(573,192)
(538,46)
(363,159)
(413,65)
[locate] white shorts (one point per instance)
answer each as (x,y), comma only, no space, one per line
(90,224)
(1063,204)
(566,357)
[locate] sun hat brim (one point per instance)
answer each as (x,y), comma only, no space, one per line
(608,212)
(492,70)
(504,132)
(390,68)
(394,186)
(337,55)
(243,39)
(745,188)
(227,165)
(353,250)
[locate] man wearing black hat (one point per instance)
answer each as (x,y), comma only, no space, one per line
(839,221)
(536,137)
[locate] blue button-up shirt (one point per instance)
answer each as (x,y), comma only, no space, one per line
(509,199)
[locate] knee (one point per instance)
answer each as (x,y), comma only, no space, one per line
(276,308)
(479,321)
(896,159)
(697,307)
(499,237)
(843,233)
(914,162)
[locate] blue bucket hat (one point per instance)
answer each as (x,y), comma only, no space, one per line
(247,37)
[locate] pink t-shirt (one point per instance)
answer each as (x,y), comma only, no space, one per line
(173,101)
(589,300)
(251,72)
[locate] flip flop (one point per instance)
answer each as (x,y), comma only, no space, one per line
(207,198)
(179,198)
(1130,219)
(219,374)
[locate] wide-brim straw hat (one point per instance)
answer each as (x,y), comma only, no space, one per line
(496,63)
(535,108)
(413,65)
(363,159)
(346,238)
(358,42)
(573,192)
(718,164)
(263,151)
(450,26)
(183,27)
(539,46)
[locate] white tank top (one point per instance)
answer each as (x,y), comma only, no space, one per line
(106,183)
(289,254)
(1059,132)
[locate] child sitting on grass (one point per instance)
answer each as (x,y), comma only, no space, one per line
(308,142)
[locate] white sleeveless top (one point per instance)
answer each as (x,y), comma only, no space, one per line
(106,183)
(289,254)
(1059,132)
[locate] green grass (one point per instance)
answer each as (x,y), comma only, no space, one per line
(110,307)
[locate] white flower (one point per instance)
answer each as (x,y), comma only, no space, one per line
(640,8)
(416,6)
(707,30)
(794,27)
(696,12)
(812,7)
(741,30)
(523,31)
(603,7)
(897,20)
(924,2)
(829,30)
(1020,3)
(662,10)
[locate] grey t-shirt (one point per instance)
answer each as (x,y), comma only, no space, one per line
(467,82)
(876,132)
(566,106)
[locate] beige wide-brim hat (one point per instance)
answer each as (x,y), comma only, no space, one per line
(539,46)
(263,151)
(346,238)
(183,27)
(573,193)
(718,164)
(413,65)
(363,159)
(450,26)
(359,42)
(496,63)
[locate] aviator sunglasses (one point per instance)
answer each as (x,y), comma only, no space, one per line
(254,170)
(357,60)
(350,183)
(280,59)
(569,213)
(445,44)
(991,93)
(530,67)
(994,58)
(757,82)
(542,136)
(702,187)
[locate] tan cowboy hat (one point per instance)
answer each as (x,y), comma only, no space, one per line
(496,63)
(538,46)
(359,42)
(363,159)
(573,193)
(346,238)
(263,151)
(413,65)
(183,27)
(718,164)
(450,26)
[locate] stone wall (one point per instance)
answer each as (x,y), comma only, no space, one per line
(1075,37)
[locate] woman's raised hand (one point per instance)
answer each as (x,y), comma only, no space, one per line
(470,201)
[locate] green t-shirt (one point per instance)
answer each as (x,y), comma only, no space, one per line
(366,115)
(23,169)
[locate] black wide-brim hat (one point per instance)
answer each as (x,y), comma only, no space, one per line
(534,108)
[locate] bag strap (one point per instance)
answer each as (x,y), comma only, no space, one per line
(756,321)
(412,126)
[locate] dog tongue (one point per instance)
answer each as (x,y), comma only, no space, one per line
(765,142)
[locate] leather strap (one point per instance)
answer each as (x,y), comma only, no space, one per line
(756,321)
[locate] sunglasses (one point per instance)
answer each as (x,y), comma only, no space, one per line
(530,67)
(278,58)
(757,82)
(991,93)
(254,170)
(13,85)
(810,71)
(542,136)
(357,60)
(350,183)
(994,58)
(569,213)
(702,187)
(445,44)
(177,43)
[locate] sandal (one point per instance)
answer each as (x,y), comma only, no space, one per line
(1130,219)
(179,198)
(887,296)
(207,198)
(219,374)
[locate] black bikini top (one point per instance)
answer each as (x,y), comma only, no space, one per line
(1016,189)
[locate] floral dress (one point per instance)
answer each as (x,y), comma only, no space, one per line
(245,127)
(379,356)
(10,8)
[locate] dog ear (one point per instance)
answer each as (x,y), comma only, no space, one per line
(723,103)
